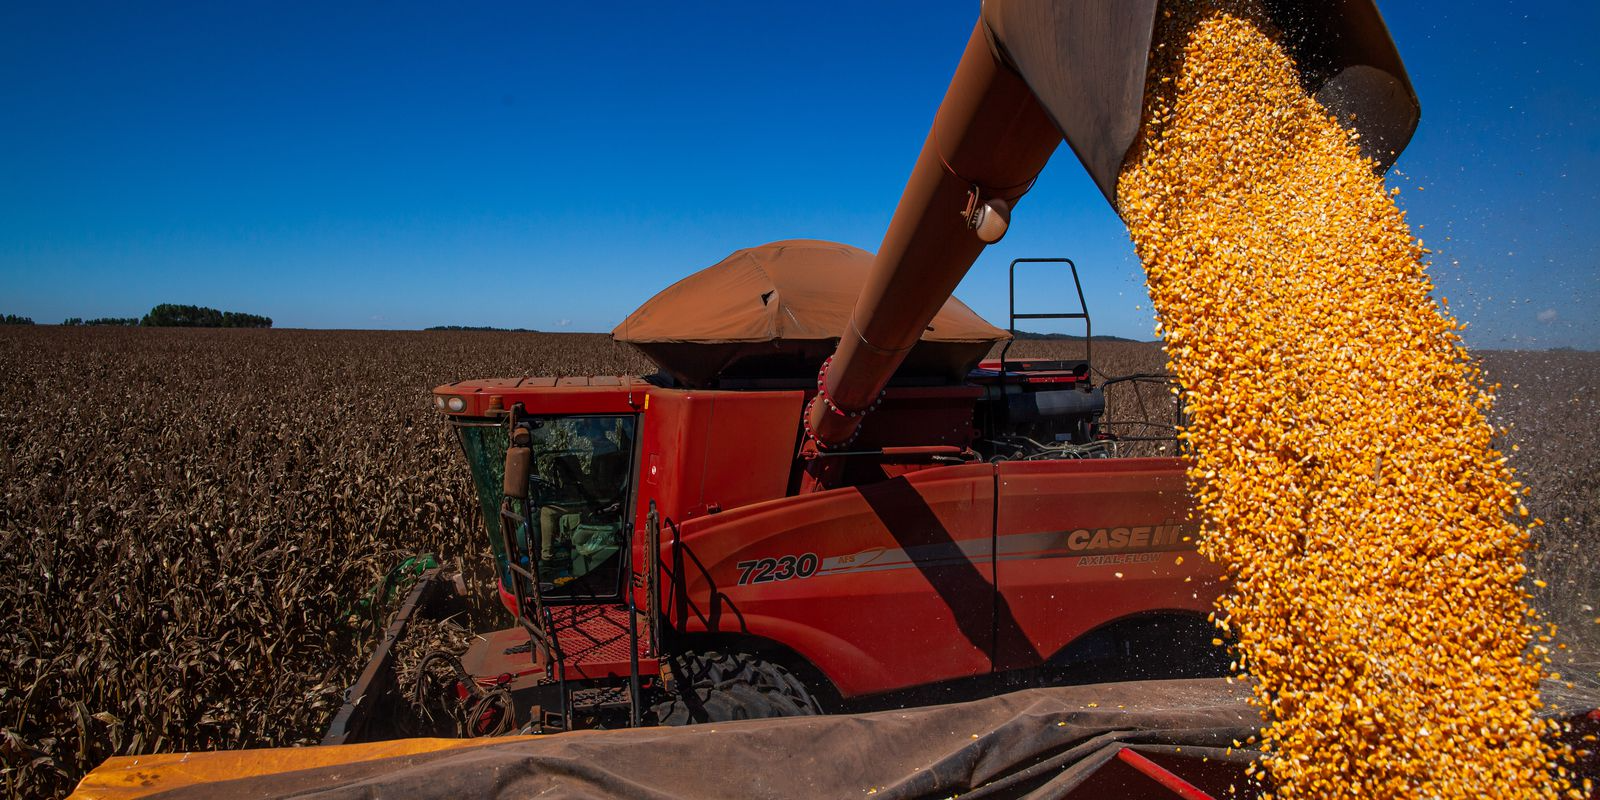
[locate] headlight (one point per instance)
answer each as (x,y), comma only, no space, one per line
(455,404)
(438,400)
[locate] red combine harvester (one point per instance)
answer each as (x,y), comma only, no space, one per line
(686,550)
(826,499)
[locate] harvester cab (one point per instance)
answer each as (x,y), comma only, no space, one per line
(570,528)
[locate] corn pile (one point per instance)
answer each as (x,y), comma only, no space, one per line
(1343,465)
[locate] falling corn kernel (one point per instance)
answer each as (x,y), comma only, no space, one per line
(1342,465)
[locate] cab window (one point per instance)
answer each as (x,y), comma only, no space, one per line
(578,501)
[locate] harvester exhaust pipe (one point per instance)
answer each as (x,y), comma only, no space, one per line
(1035,72)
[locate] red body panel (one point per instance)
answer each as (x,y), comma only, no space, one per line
(602,394)
(903,590)
(1082,543)
(708,449)
(904,593)
(921,416)
(918,572)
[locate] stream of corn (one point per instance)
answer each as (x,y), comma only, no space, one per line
(1344,470)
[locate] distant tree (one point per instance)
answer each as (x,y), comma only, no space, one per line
(236,319)
(13,319)
(120,321)
(171,315)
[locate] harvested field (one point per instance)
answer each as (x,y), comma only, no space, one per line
(190,517)
(1548,401)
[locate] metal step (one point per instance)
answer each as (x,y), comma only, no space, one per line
(601,697)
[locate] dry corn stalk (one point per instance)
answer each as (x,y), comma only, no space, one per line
(188,515)
(1343,465)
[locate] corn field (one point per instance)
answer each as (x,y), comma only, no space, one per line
(193,519)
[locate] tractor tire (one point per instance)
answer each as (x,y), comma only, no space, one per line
(716,686)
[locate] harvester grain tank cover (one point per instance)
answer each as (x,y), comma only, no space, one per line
(776,311)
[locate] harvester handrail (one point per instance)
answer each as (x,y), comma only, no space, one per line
(652,578)
(1013,316)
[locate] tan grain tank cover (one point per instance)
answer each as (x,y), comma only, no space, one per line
(793,289)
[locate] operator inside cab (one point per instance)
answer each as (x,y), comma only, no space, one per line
(579,489)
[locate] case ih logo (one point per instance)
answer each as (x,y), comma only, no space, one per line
(1090,546)
(1143,538)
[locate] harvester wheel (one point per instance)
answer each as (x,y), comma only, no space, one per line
(716,686)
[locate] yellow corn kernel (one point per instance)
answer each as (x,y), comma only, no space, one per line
(1287,284)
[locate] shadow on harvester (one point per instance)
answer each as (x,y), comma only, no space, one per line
(1147,647)
(681,603)
(1153,646)
(983,616)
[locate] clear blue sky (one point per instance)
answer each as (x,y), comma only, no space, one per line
(552,165)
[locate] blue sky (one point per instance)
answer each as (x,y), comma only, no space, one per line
(398,165)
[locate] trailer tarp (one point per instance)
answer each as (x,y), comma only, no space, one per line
(1077,742)
(1039,743)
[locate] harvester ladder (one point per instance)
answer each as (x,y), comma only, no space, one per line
(541,629)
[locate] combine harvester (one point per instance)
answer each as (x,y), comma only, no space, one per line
(828,501)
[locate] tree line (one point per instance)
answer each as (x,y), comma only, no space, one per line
(478,328)
(172,315)
(128,321)
(169,315)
